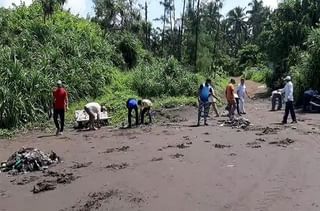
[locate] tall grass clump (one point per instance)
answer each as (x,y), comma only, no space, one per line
(34,55)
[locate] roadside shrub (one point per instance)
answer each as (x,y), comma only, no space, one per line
(34,55)
(164,79)
(259,74)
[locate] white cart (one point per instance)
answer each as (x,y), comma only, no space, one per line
(82,119)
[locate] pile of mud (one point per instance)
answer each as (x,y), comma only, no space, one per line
(28,160)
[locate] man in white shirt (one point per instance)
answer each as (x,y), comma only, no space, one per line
(288,99)
(242,92)
(145,108)
(94,109)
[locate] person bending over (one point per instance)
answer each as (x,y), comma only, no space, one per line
(145,109)
(94,109)
(132,104)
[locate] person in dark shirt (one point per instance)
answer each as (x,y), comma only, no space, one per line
(60,106)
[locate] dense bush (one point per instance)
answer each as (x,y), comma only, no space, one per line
(258,74)
(34,55)
(164,79)
(306,73)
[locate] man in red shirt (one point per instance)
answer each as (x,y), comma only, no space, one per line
(60,105)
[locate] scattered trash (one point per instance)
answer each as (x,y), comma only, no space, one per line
(268,130)
(28,160)
(237,123)
(61,178)
(177,155)
(94,201)
(121,149)
(45,185)
(254,144)
(182,146)
(80,165)
(157,159)
(189,143)
(187,138)
(261,139)
(283,143)
(221,146)
(232,154)
(117,166)
(207,141)
(230,166)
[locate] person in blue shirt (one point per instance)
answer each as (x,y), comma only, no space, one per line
(204,93)
(132,104)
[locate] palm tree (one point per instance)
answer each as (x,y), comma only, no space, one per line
(258,15)
(237,27)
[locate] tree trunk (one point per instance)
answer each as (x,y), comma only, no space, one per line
(197,35)
(163,29)
(147,26)
(181,31)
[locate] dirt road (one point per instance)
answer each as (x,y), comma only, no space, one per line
(175,166)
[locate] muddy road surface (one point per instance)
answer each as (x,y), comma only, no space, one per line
(175,166)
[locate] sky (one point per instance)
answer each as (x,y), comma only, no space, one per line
(85,7)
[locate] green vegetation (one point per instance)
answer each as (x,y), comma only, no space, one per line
(119,54)
(258,74)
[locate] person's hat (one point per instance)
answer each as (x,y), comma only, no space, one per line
(59,82)
(288,78)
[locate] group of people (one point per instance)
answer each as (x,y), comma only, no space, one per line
(236,99)
(206,96)
(93,109)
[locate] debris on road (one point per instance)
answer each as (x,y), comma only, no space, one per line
(45,185)
(221,146)
(182,146)
(61,178)
(283,143)
(120,149)
(254,144)
(261,139)
(80,165)
(29,160)
(157,159)
(268,130)
(238,123)
(177,155)
(117,166)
